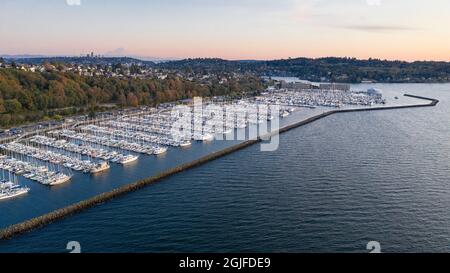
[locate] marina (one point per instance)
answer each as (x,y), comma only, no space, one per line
(115,149)
(51,158)
(58,156)
(14,230)
(311,98)
(89,148)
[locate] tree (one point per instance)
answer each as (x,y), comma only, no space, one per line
(29,96)
(91,114)
(117,67)
(132,100)
(122,100)
(26,100)
(5,120)
(13,106)
(57,117)
(2,106)
(135,69)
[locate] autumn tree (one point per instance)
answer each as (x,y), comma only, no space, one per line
(30,96)
(2,106)
(132,100)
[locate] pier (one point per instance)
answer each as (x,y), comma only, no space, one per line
(46,219)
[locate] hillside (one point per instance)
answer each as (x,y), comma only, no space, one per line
(80,60)
(347,70)
(27,96)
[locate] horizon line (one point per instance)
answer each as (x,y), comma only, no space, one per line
(150,58)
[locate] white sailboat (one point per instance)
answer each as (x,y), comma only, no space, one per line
(10,189)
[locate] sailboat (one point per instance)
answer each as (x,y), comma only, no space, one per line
(11,189)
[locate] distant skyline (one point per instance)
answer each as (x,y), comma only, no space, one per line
(230,29)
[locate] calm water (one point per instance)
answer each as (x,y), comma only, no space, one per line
(332,186)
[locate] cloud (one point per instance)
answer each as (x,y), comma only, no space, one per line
(303,10)
(378,28)
(373,2)
(73,2)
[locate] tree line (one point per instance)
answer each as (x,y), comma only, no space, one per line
(33,96)
(346,70)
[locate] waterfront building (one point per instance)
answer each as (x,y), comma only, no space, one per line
(335,86)
(299,85)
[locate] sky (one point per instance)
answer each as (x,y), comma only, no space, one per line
(230,29)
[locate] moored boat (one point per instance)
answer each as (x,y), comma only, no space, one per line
(9,190)
(128,159)
(101,167)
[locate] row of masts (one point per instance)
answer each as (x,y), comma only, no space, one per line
(50,158)
(84,149)
(45,175)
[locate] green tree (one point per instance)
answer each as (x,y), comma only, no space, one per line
(13,106)
(2,106)
(135,69)
(57,117)
(122,100)
(5,120)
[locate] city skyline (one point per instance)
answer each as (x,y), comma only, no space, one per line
(247,29)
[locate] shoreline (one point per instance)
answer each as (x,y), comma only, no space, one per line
(41,221)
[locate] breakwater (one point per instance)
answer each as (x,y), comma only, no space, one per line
(83,205)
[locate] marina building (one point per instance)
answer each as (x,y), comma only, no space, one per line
(298,85)
(335,86)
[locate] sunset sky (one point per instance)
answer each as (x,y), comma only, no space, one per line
(231,29)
